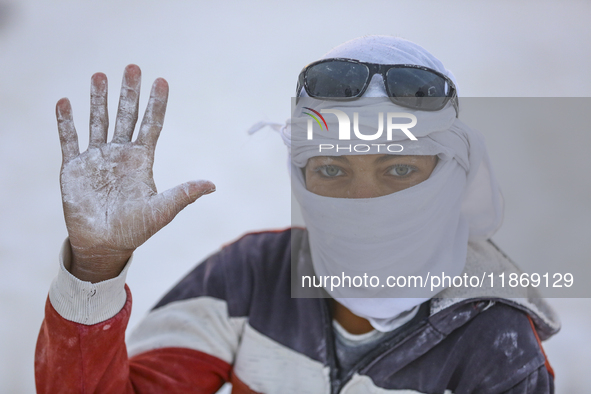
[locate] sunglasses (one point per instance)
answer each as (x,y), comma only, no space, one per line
(407,85)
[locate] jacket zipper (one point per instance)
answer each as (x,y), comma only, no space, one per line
(331,358)
(336,384)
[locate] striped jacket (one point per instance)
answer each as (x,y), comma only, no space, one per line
(232,319)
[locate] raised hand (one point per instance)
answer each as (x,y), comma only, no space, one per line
(110,201)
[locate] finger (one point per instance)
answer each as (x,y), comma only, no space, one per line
(66,129)
(169,203)
(128,104)
(154,116)
(99,115)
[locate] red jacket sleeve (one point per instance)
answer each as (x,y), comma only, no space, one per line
(76,358)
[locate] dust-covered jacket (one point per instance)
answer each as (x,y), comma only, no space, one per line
(232,319)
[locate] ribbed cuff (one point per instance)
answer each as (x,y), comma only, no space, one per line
(85,302)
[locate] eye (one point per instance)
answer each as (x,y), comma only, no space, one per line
(401,170)
(330,171)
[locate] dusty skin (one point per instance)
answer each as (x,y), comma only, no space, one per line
(366,176)
(110,201)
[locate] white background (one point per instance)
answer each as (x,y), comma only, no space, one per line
(232,64)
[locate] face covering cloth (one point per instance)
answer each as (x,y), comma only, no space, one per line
(425,228)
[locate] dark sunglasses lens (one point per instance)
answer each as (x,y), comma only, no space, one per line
(416,88)
(336,79)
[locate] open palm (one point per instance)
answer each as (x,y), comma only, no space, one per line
(110,201)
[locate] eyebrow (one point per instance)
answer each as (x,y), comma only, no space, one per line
(379,160)
(342,159)
(384,158)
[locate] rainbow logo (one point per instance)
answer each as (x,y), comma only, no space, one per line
(316,119)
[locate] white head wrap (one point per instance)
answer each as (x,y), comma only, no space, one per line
(424,228)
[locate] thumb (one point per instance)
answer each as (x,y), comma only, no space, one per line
(170,202)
